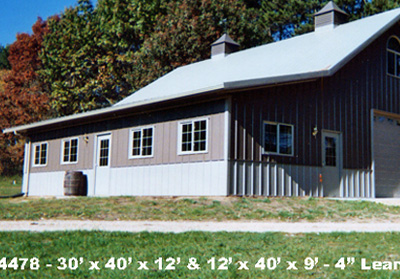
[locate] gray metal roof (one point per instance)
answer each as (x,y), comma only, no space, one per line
(313,55)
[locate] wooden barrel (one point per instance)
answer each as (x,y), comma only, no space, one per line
(73,183)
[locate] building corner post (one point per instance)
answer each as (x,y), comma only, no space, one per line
(26,167)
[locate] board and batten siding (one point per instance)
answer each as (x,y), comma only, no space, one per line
(165,173)
(166,144)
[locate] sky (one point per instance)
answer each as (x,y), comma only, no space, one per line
(18,16)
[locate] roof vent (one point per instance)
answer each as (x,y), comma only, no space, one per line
(223,46)
(329,17)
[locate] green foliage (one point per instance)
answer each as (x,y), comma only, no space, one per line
(87,55)
(185,33)
(4,52)
(69,57)
(284,19)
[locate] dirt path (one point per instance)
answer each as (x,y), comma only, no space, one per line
(184,226)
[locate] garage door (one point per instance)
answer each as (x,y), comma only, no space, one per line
(386,156)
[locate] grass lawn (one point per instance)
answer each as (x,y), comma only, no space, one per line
(199,208)
(78,248)
(185,208)
(10,185)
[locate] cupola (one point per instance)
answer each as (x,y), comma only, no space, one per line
(223,46)
(329,17)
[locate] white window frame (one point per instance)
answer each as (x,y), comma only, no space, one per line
(131,132)
(180,131)
(396,55)
(40,144)
(63,149)
(277,140)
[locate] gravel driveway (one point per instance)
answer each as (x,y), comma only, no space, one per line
(184,226)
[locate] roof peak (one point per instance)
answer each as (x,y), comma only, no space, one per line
(225,38)
(330,7)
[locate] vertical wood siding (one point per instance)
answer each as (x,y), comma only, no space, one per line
(165,148)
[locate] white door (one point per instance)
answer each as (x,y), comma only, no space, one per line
(102,165)
(331,163)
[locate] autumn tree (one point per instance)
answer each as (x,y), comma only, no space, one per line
(22,99)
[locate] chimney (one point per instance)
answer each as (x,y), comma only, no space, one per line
(223,46)
(329,17)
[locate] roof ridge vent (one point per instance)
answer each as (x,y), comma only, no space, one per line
(223,46)
(329,17)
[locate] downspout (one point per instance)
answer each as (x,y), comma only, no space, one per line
(227,141)
(28,166)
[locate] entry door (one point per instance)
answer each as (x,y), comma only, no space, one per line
(331,163)
(103,159)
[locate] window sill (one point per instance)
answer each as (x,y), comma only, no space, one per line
(192,153)
(140,157)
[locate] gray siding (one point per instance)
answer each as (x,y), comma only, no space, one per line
(165,146)
(85,156)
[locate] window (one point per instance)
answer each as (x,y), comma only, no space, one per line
(141,142)
(70,151)
(40,155)
(278,138)
(104,152)
(393,57)
(193,136)
(330,151)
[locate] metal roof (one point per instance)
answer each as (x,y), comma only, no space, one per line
(313,55)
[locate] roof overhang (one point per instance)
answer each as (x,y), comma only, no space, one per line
(99,114)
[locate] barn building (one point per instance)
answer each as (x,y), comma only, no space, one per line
(317,114)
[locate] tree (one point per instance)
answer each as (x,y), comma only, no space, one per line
(22,99)
(292,17)
(69,61)
(4,64)
(87,54)
(185,33)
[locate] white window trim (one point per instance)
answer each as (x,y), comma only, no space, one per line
(131,131)
(387,57)
(191,121)
(34,154)
(263,139)
(103,136)
(62,152)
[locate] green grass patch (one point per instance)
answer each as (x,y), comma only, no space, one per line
(10,185)
(123,251)
(196,208)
